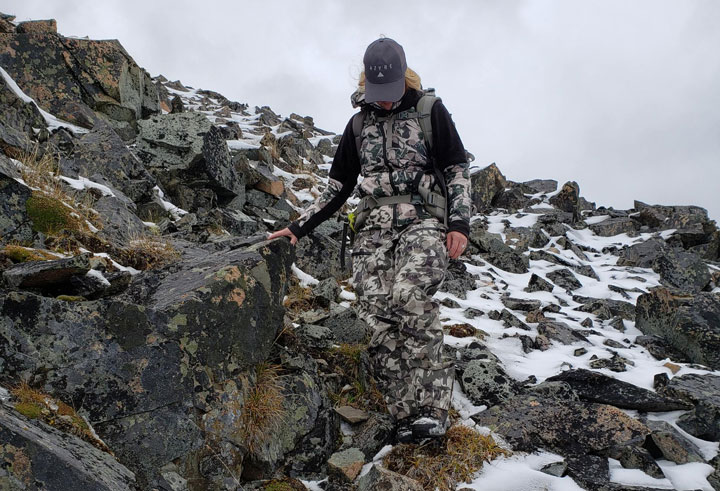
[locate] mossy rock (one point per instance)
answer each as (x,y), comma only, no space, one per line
(50,215)
(29,409)
(71,298)
(18,254)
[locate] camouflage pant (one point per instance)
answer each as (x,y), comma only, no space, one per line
(396,273)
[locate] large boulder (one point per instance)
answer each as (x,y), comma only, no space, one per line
(493,250)
(682,270)
(485,184)
(17,119)
(35,455)
(703,392)
(529,422)
(142,367)
(102,152)
(691,223)
(482,377)
(15,224)
(568,199)
(88,79)
(596,387)
(168,142)
(690,323)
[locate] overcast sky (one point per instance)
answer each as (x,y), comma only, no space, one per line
(621,96)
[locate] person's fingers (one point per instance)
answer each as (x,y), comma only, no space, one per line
(453,246)
(293,239)
(280,233)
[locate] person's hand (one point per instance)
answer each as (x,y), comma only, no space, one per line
(456,244)
(283,233)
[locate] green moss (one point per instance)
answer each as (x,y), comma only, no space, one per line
(278,486)
(50,215)
(71,298)
(18,254)
(29,409)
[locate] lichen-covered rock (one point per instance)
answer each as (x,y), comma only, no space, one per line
(567,199)
(561,332)
(690,323)
(319,256)
(373,434)
(596,387)
(682,270)
(46,274)
(671,445)
(482,376)
(614,226)
(703,391)
(346,464)
(87,76)
(538,284)
(691,223)
(379,478)
(541,185)
(102,152)
(17,119)
(15,224)
(529,422)
(168,142)
(35,455)
(564,279)
(643,254)
(485,185)
(492,249)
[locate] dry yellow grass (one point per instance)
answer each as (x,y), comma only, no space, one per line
(148,251)
(264,409)
(442,465)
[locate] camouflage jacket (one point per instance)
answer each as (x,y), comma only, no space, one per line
(394,160)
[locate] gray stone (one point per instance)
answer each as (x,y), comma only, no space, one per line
(36,454)
(326,292)
(690,323)
(615,363)
(352,415)
(606,309)
(373,434)
(522,304)
(314,336)
(17,119)
(542,185)
(557,469)
(492,249)
(319,256)
(15,224)
(171,141)
(482,377)
(345,325)
(614,226)
(559,331)
(485,184)
(457,280)
(346,464)
(682,270)
(379,478)
(596,387)
(120,225)
(633,456)
(642,255)
(538,284)
(703,391)
(46,274)
(671,445)
(564,279)
(567,199)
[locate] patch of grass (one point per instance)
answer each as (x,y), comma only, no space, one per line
(299,298)
(36,405)
(71,298)
(286,484)
(461,330)
(359,390)
(264,409)
(50,215)
(444,464)
(148,252)
(19,254)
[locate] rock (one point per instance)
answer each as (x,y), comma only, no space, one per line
(529,422)
(326,292)
(682,270)
(36,455)
(643,254)
(17,120)
(176,105)
(606,309)
(15,224)
(120,225)
(379,478)
(616,363)
(511,199)
(559,331)
(87,77)
(485,185)
(544,186)
(691,223)
(596,387)
(102,152)
(482,378)
(567,199)
(374,434)
(556,469)
(660,348)
(46,275)
(703,391)
(564,279)
(633,456)
(226,180)
(690,323)
(492,249)
(524,305)
(457,280)
(319,256)
(346,464)
(538,284)
(37,26)
(667,442)
(352,415)
(312,336)
(591,471)
(168,142)
(268,182)
(345,325)
(614,226)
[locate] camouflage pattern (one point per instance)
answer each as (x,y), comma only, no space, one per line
(395,165)
(396,274)
(331,190)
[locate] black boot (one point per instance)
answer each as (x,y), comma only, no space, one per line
(404,432)
(432,423)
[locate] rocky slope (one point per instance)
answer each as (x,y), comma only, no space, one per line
(138,289)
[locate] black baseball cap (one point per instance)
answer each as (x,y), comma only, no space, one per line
(385,67)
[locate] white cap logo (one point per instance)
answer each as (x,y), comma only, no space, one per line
(380,75)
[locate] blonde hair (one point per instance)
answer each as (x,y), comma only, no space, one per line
(412,80)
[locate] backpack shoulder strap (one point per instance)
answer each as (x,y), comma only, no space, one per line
(357,125)
(424,108)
